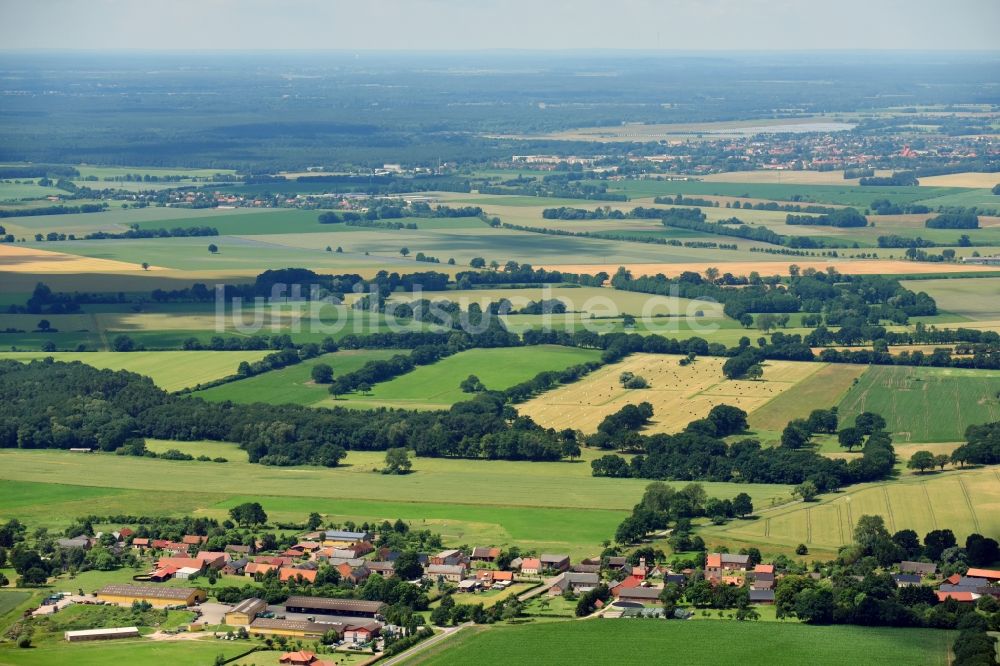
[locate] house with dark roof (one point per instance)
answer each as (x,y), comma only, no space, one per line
(328,606)
(640,594)
(906,579)
(920,568)
(575,582)
(761,596)
(485,554)
(450,572)
(554,562)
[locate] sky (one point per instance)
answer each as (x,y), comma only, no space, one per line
(500,24)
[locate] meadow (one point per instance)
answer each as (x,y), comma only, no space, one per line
(822,389)
(294,384)
(533,504)
(436,386)
(171,371)
(975,298)
(925,404)
(964,501)
(649,641)
(679,394)
(140,652)
(846,194)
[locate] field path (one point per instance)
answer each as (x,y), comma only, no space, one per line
(968,501)
(888,508)
(930,504)
(101,333)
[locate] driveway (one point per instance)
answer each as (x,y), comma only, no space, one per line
(212,613)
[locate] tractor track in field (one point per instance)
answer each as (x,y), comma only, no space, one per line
(809,527)
(968,501)
(930,505)
(888,508)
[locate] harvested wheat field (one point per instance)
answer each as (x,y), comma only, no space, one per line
(964,179)
(32,260)
(780,267)
(679,394)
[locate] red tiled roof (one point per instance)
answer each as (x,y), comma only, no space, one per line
(764,568)
(713,560)
(957,596)
(991,574)
(288,573)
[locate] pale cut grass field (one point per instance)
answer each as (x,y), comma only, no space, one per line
(170,370)
(679,394)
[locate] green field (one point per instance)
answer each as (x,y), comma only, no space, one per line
(975,298)
(138,652)
(533,504)
(847,194)
(963,501)
(722,643)
(435,386)
(925,404)
(294,384)
(171,371)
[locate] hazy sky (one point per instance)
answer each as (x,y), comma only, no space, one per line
(491,24)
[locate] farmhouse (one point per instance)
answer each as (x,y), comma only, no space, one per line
(341,607)
(554,562)
(906,580)
(158,597)
(720,565)
(384,569)
(258,569)
(988,574)
(485,554)
(640,594)
(576,582)
(450,572)
(263,626)
(761,596)
(449,557)
(245,612)
(235,567)
(531,566)
(362,632)
(213,560)
(341,538)
(921,568)
(101,634)
(301,658)
(288,573)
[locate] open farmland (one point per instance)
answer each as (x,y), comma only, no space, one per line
(170,370)
(596,301)
(435,386)
(534,504)
(975,298)
(964,501)
(820,390)
(636,641)
(679,394)
(140,652)
(294,384)
(776,266)
(20,259)
(925,404)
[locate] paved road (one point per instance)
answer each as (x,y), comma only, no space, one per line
(535,591)
(420,647)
